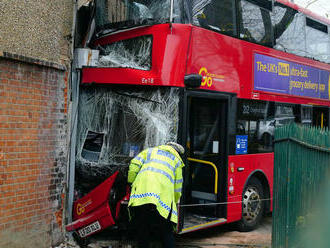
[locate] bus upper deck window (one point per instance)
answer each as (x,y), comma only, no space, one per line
(255,21)
(120,14)
(317,41)
(289,31)
(218,16)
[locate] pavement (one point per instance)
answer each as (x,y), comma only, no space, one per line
(224,236)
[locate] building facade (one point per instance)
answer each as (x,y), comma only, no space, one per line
(35,58)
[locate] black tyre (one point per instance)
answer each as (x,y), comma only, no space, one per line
(253,205)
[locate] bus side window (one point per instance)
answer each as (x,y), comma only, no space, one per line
(255,22)
(258,120)
(240,129)
(252,122)
(216,15)
(306,115)
(317,41)
(289,30)
(321,117)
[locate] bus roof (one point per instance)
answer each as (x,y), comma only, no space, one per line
(305,11)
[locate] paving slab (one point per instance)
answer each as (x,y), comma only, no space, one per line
(226,236)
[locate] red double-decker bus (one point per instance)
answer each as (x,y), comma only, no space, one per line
(216,76)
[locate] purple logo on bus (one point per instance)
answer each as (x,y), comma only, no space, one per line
(280,76)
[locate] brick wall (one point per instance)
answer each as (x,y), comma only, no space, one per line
(33,153)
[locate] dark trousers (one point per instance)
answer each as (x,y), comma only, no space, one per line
(150,225)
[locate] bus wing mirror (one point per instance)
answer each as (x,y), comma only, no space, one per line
(193,80)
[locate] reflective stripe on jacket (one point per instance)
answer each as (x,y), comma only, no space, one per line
(156,177)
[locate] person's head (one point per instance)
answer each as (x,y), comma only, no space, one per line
(179,148)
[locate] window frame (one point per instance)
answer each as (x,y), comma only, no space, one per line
(262,7)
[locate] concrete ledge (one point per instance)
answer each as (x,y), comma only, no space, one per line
(30,60)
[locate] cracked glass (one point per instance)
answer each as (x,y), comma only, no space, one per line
(115,124)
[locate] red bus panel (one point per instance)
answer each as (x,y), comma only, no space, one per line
(244,166)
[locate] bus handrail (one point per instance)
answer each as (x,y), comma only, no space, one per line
(215,170)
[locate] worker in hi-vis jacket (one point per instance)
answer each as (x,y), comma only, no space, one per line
(156,178)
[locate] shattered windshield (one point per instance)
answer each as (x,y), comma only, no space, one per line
(115,124)
(117,14)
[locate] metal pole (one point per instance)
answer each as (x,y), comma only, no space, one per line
(171,9)
(73,138)
(171,13)
(74,88)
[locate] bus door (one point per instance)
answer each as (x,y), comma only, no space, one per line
(205,171)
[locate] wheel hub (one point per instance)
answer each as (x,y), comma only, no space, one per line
(251,204)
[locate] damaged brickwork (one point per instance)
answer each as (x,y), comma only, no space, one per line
(33,150)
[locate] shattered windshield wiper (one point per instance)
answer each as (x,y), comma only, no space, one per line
(137,97)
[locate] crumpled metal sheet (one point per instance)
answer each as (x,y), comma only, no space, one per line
(130,121)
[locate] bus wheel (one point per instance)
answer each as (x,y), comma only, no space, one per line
(252,205)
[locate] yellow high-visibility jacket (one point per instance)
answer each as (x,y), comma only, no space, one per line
(156,177)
